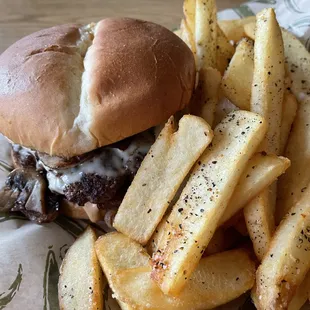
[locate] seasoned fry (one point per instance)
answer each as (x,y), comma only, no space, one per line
(205,33)
(298,61)
(117,252)
(287,261)
(218,279)
(161,173)
(223,107)
(187,36)
(224,51)
(195,216)
(266,100)
(289,111)
(79,272)
(260,223)
(234,29)
(268,77)
(262,170)
(294,182)
(208,93)
(237,80)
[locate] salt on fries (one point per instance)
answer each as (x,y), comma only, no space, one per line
(266,100)
(287,261)
(195,216)
(194,194)
(261,171)
(293,184)
(237,80)
(125,264)
(80,283)
(161,173)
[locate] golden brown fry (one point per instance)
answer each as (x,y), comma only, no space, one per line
(294,182)
(194,218)
(249,30)
(80,271)
(224,51)
(287,260)
(187,36)
(218,279)
(301,294)
(161,173)
(268,77)
(266,100)
(205,33)
(289,111)
(223,107)
(234,29)
(208,87)
(298,62)
(260,223)
(237,80)
(261,171)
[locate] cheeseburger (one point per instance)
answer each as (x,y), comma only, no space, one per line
(79,105)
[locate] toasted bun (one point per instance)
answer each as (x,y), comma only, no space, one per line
(70,89)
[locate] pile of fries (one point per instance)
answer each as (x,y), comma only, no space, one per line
(205,219)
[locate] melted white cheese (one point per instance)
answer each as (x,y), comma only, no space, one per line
(109,163)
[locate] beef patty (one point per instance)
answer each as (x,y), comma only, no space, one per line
(101,177)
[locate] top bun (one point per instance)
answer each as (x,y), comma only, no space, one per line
(70,89)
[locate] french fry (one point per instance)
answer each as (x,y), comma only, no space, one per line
(161,173)
(237,80)
(266,100)
(224,51)
(194,218)
(289,111)
(217,243)
(223,107)
(80,283)
(220,241)
(260,223)
(207,93)
(249,30)
(268,77)
(116,252)
(189,11)
(294,182)
(298,61)
(122,260)
(205,33)
(218,279)
(234,29)
(301,295)
(187,36)
(261,171)
(287,260)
